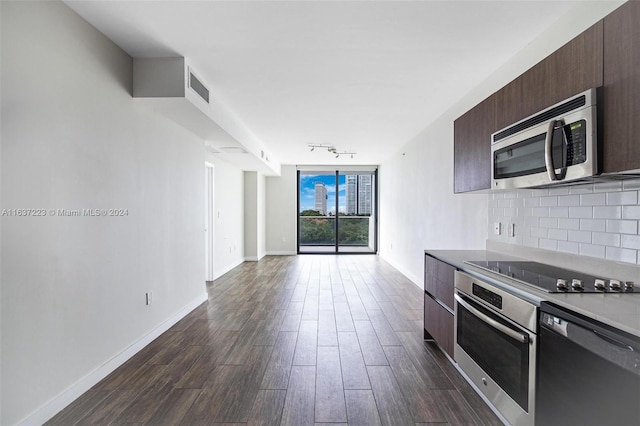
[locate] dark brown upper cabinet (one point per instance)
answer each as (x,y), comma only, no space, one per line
(573,68)
(472,147)
(621,115)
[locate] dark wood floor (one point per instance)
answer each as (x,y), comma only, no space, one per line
(291,340)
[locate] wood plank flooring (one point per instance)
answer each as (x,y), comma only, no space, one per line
(291,340)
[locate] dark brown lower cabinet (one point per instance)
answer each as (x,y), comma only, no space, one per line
(438,324)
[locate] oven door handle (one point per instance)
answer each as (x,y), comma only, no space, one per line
(520,337)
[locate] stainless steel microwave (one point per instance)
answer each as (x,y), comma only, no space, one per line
(556,145)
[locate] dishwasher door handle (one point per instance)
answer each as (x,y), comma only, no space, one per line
(516,335)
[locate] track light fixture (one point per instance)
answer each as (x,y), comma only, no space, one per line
(332,149)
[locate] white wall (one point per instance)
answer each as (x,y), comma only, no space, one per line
(281,212)
(418,209)
(73,288)
(229,215)
(251,216)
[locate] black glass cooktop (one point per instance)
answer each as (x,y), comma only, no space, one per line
(552,279)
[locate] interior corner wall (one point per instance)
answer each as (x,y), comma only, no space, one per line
(262,216)
(229,250)
(418,209)
(74,145)
(251,215)
(281,212)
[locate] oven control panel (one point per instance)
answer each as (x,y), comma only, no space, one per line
(487,295)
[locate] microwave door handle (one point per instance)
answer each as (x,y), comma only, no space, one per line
(548,152)
(565,152)
(520,337)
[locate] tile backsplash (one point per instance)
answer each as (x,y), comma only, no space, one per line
(598,219)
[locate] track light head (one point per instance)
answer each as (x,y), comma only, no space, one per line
(337,155)
(312,148)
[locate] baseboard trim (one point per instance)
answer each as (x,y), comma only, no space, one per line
(417,281)
(228,268)
(251,259)
(281,253)
(58,403)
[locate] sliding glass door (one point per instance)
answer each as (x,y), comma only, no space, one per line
(337,211)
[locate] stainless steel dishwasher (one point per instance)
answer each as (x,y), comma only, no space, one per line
(588,372)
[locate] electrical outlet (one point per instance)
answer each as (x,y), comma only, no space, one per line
(497,228)
(511,230)
(149,296)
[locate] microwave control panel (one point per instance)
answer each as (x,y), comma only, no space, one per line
(576,142)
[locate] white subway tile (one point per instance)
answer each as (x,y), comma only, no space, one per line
(631,184)
(498,195)
(609,212)
(579,236)
(559,211)
(510,194)
(548,201)
(548,244)
(557,234)
(559,190)
(593,225)
(622,226)
(569,200)
(538,232)
(581,212)
(610,186)
(540,211)
(503,203)
(599,199)
(516,203)
(570,223)
(622,198)
(532,202)
(630,241)
(592,251)
(548,222)
(532,221)
(568,247)
(581,189)
(541,192)
(631,212)
(621,255)
(604,239)
(530,241)
(509,212)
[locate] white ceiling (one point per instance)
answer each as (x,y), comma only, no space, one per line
(364,76)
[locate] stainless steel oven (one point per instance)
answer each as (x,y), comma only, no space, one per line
(495,346)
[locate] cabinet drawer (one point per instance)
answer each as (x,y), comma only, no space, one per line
(439,279)
(438,322)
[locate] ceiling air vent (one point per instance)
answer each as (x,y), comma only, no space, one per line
(197,86)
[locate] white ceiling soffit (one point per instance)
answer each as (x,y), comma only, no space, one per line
(363,76)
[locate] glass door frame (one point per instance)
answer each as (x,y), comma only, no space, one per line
(336,250)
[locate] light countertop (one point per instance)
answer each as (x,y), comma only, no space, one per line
(621,311)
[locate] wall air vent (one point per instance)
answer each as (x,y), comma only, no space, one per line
(197,86)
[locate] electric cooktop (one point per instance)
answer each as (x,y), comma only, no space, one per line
(553,279)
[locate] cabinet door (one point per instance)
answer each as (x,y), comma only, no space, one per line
(472,147)
(438,322)
(438,280)
(573,68)
(620,123)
